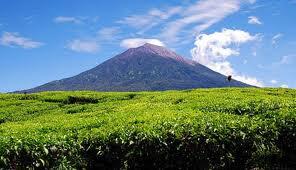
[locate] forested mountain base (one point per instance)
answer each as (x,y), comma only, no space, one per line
(228,128)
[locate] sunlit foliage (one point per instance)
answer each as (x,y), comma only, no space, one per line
(192,129)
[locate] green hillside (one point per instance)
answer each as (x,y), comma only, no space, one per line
(194,129)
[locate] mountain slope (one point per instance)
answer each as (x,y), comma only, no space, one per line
(148,67)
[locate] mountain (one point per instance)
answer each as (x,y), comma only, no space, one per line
(148,67)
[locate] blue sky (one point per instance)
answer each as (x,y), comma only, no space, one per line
(252,40)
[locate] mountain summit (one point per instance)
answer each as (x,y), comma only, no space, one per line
(148,67)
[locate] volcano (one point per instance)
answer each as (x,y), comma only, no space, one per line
(145,68)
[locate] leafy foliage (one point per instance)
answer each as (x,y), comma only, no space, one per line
(229,128)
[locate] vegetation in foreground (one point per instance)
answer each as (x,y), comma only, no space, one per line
(192,129)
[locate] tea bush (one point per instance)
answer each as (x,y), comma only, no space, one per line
(227,128)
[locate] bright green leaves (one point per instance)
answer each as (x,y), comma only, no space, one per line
(205,128)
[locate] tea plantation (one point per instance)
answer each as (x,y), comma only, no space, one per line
(227,128)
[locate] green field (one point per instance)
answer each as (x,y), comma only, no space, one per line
(192,129)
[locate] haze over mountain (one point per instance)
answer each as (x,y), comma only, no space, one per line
(145,68)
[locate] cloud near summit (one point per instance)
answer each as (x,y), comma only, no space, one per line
(136,42)
(213,51)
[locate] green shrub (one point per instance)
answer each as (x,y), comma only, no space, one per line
(196,129)
(80,100)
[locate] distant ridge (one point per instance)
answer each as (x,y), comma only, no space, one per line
(145,68)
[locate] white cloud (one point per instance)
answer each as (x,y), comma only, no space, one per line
(108,33)
(248,79)
(284,86)
(152,18)
(261,66)
(215,46)
(85,46)
(251,1)
(201,15)
(104,36)
(182,23)
(136,42)
(287,59)
(276,38)
(273,81)
(14,39)
(165,14)
(254,20)
(66,19)
(29,19)
(213,50)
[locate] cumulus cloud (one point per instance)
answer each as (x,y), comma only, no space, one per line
(248,79)
(136,42)
(14,39)
(85,46)
(275,38)
(213,51)
(67,19)
(254,20)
